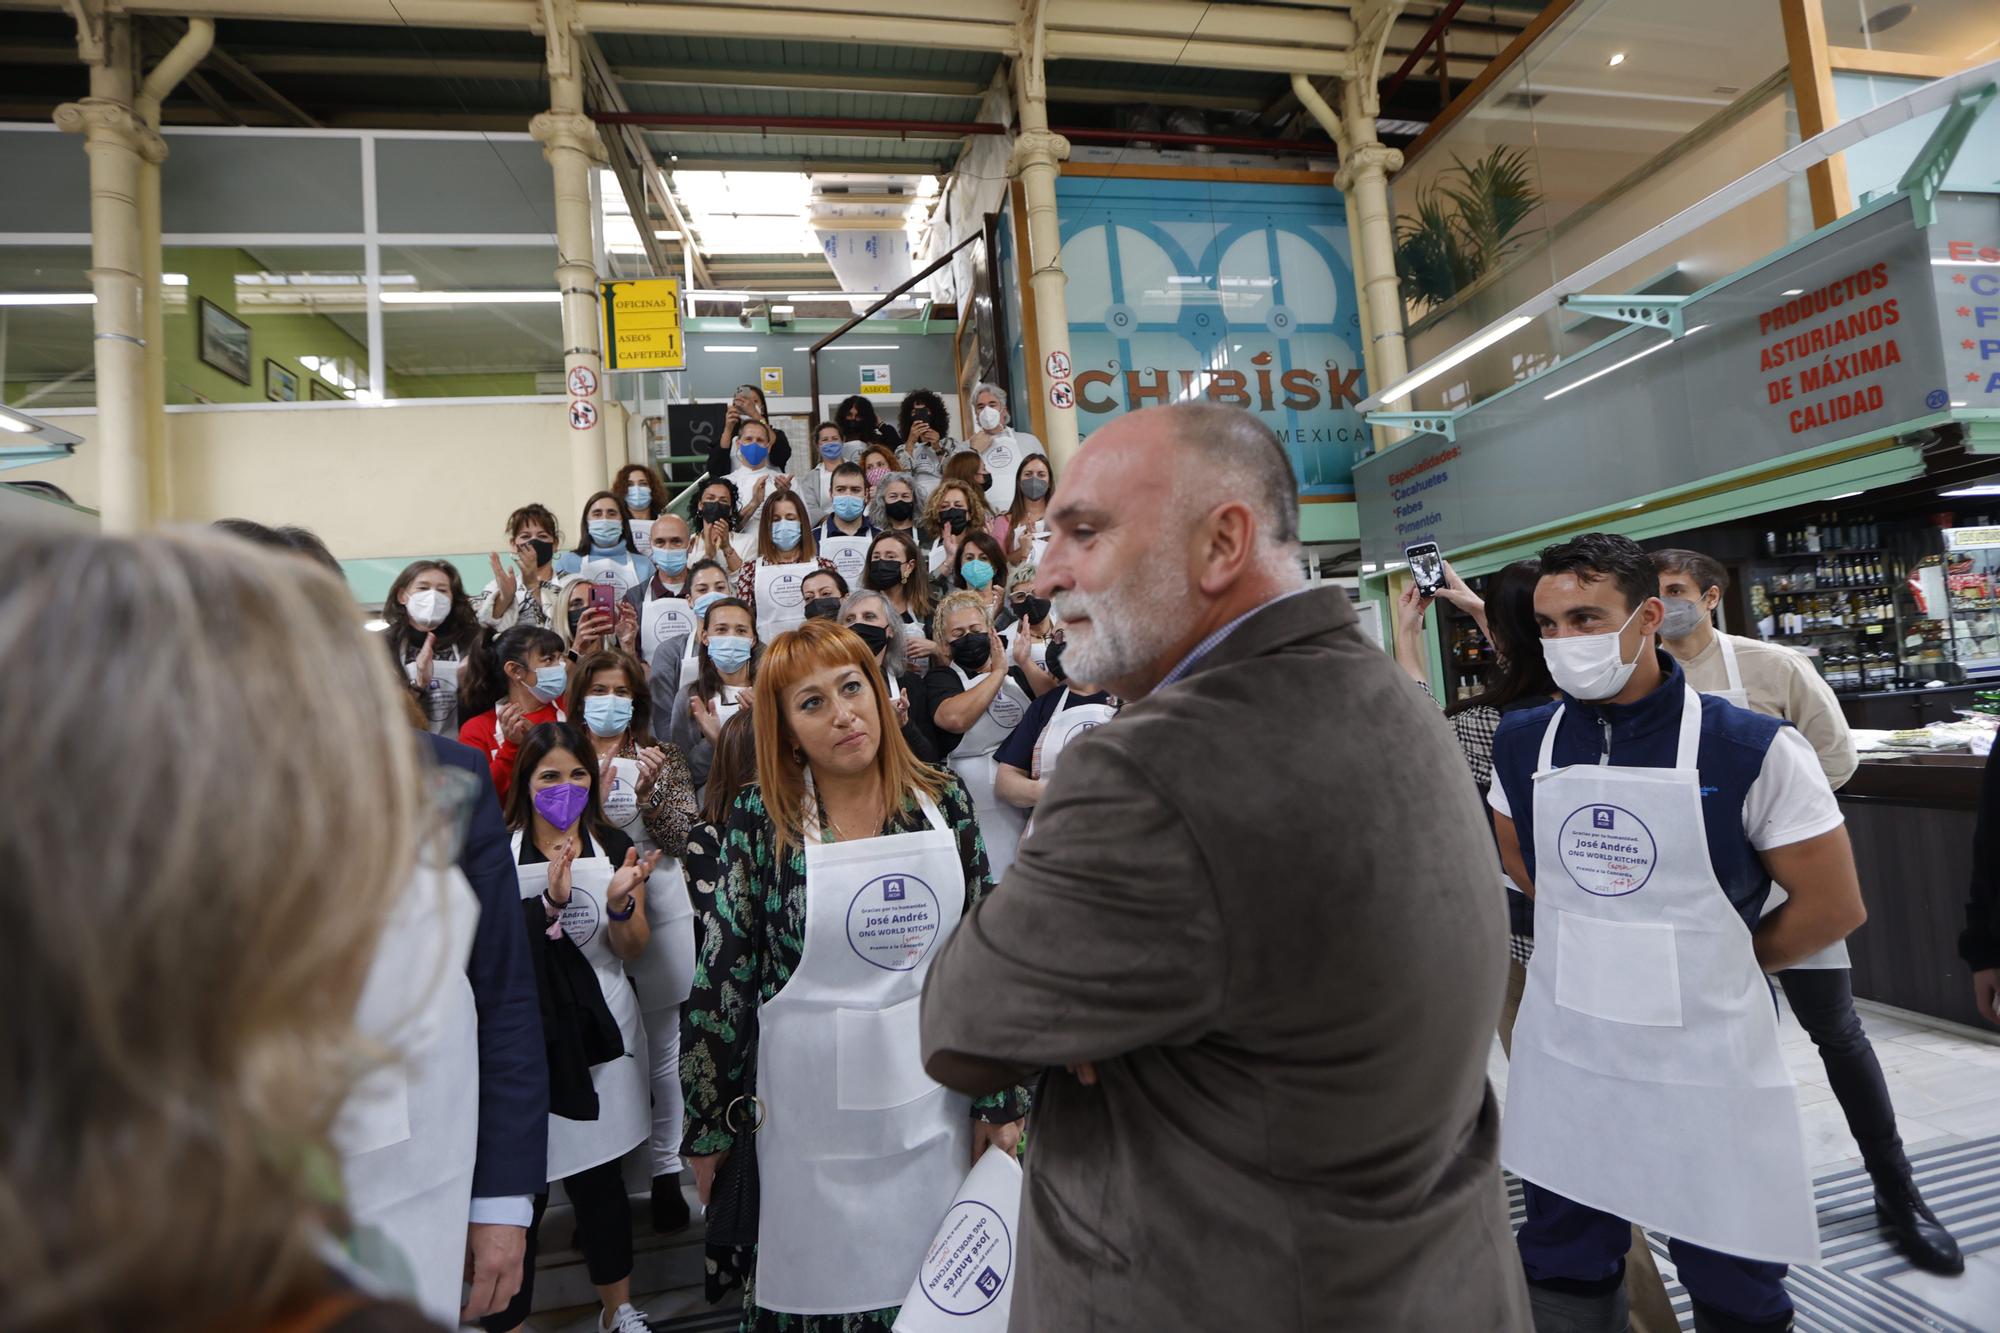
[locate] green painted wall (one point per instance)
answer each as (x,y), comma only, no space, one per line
(513,385)
(281,336)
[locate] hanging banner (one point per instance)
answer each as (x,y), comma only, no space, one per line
(642,324)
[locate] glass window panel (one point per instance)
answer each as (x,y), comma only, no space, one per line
(50,181)
(1963,32)
(471,321)
(268,323)
(237,183)
(45,349)
(1875,166)
(489,185)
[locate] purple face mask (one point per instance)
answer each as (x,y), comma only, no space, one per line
(562,806)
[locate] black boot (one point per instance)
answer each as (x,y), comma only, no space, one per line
(670,1209)
(1912,1225)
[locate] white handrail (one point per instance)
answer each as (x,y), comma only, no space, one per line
(1793,162)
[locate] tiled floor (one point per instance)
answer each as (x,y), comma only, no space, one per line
(1946,1087)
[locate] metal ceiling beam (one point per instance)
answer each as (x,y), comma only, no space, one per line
(632,146)
(860,166)
(257,88)
(856,127)
(856,81)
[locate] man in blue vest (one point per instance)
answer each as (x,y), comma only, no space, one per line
(1646,1084)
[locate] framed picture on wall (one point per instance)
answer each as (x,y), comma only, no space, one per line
(280,385)
(225,341)
(322,392)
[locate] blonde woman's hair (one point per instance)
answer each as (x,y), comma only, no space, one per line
(977,511)
(954,602)
(201,833)
(565,585)
(815,646)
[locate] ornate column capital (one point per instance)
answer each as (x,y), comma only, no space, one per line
(1037,148)
(573,130)
(101,118)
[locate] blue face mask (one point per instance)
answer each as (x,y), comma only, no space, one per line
(831,450)
(638,497)
(606,532)
(703,602)
(753,453)
(607,714)
(978,575)
(848,507)
(550,682)
(785,534)
(670,561)
(729,652)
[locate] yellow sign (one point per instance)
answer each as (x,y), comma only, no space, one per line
(642,324)
(773,379)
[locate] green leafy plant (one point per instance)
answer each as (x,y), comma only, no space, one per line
(1465,223)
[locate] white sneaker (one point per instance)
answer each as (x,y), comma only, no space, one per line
(625,1319)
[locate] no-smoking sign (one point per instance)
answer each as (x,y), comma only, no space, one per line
(582,382)
(1058,365)
(1061,395)
(582,414)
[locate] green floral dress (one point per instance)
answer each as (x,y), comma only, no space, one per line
(751,935)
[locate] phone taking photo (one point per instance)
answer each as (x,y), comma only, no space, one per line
(604,597)
(1426,567)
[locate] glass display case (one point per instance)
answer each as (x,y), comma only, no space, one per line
(1829,588)
(1969,570)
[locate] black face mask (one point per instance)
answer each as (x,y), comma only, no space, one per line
(986,483)
(972,652)
(873,637)
(1052,663)
(544,550)
(958,520)
(822,608)
(885,574)
(899,511)
(1035,610)
(575,618)
(714,511)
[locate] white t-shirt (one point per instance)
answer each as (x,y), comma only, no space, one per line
(1789,802)
(745,480)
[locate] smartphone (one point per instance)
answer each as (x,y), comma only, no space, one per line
(604,597)
(1426,567)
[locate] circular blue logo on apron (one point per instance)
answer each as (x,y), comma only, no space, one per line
(579,917)
(969,1264)
(1607,850)
(893,922)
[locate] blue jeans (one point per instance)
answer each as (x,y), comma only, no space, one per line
(1564,1240)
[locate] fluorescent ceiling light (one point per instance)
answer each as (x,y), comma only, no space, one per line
(1617,59)
(1844,495)
(48,298)
(1793,291)
(727,347)
(1619,365)
(375,626)
(1969,490)
(173,279)
(1464,351)
(1965,263)
(470,298)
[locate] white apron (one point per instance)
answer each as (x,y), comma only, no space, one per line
(999,822)
(1834,955)
(1646,1078)
(781,597)
(847,554)
(964,1282)
(729,703)
(407,1135)
(1003,460)
(662,975)
(662,618)
(624,1115)
(619,571)
(1064,726)
(860,1151)
(444,676)
(642,535)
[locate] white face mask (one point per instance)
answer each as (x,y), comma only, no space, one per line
(428,607)
(989,418)
(1590,666)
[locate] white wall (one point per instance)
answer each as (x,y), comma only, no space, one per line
(401,479)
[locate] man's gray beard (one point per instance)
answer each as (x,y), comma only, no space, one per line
(1130,626)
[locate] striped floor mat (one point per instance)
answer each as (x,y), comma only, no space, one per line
(1851,1292)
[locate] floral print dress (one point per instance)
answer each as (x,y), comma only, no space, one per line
(750,929)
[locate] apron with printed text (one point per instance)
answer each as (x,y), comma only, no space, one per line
(781,597)
(618,571)
(624,1114)
(1833,956)
(1064,726)
(860,1151)
(662,618)
(847,555)
(1646,1078)
(999,823)
(1003,460)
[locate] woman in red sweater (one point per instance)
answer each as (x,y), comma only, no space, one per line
(520,680)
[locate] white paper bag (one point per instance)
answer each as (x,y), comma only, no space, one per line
(966,1281)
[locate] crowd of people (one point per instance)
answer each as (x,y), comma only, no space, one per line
(804,846)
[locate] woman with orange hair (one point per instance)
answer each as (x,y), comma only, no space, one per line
(845,867)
